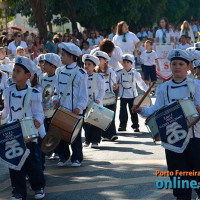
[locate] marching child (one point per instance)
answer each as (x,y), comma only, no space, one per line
(110,82)
(179,87)
(75,100)
(127,79)
(183,45)
(96,94)
(149,59)
(13,98)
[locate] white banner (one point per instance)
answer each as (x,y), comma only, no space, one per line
(162,51)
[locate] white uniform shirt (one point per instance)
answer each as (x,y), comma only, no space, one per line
(77,96)
(129,45)
(114,59)
(3,83)
(183,47)
(141,35)
(86,51)
(107,79)
(99,91)
(49,80)
(159,34)
(13,48)
(14,103)
(96,42)
(125,89)
(110,36)
(149,58)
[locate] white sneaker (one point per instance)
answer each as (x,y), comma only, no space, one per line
(62,163)
(76,163)
(94,145)
(16,197)
(86,144)
(39,194)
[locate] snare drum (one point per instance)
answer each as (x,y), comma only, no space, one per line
(98,116)
(147,101)
(28,129)
(68,123)
(109,99)
(48,113)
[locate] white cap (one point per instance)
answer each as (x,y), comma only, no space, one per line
(129,58)
(70,48)
(196,63)
(197,45)
(40,58)
(178,54)
(91,58)
(195,55)
(101,54)
(53,59)
(5,68)
(26,63)
(190,49)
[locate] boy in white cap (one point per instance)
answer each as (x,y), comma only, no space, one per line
(110,82)
(127,79)
(179,87)
(95,94)
(75,100)
(14,107)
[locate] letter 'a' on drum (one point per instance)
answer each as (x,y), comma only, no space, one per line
(98,116)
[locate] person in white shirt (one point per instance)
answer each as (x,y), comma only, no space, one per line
(179,87)
(93,40)
(164,35)
(126,40)
(17,42)
(149,60)
(194,29)
(142,33)
(183,45)
(75,100)
(110,36)
(127,78)
(95,94)
(110,84)
(187,31)
(148,32)
(85,49)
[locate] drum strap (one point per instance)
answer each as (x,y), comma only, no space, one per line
(69,84)
(27,101)
(129,80)
(94,85)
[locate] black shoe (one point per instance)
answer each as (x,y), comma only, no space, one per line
(16,196)
(105,139)
(137,130)
(114,137)
(152,93)
(121,129)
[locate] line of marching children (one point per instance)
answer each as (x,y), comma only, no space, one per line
(92,83)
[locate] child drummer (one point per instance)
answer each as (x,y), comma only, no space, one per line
(13,98)
(128,78)
(75,99)
(96,94)
(179,87)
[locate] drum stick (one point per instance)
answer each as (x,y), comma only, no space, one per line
(145,95)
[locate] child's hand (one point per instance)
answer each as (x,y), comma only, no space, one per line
(37,123)
(158,69)
(96,101)
(76,111)
(115,86)
(55,104)
(136,110)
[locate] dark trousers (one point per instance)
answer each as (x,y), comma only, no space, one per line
(123,115)
(92,133)
(111,131)
(33,168)
(187,161)
(77,152)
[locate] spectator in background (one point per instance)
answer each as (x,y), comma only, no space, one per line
(56,42)
(50,46)
(66,38)
(37,45)
(99,37)
(194,29)
(187,31)
(148,32)
(17,42)
(142,33)
(110,36)
(85,47)
(30,44)
(93,40)
(183,45)
(75,40)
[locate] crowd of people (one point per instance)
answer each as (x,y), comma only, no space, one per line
(86,69)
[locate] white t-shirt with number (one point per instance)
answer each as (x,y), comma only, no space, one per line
(149,58)
(159,34)
(129,45)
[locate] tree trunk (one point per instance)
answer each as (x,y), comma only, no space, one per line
(38,7)
(50,27)
(73,17)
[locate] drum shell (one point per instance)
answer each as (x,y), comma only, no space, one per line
(109,99)
(67,123)
(98,116)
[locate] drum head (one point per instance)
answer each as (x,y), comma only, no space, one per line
(147,101)
(76,130)
(51,141)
